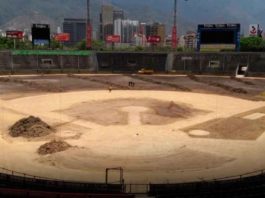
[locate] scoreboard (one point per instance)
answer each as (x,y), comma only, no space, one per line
(40,34)
(217,37)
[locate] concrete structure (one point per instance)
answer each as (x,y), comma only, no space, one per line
(198,63)
(156,29)
(76,28)
(108,26)
(160,30)
(118,14)
(190,40)
(106,21)
(127,29)
(181,41)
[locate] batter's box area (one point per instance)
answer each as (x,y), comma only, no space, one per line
(245,126)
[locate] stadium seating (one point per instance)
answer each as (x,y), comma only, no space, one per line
(23,186)
(253,186)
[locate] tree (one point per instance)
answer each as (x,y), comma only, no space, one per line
(56,44)
(96,45)
(252,44)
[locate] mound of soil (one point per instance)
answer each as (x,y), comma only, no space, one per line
(173,110)
(111,111)
(30,127)
(53,147)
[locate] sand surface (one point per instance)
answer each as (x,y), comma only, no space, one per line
(141,131)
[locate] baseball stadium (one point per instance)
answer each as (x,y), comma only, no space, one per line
(103,119)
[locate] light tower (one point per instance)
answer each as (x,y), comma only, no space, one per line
(174,29)
(89,29)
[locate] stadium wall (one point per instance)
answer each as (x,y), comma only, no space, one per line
(225,63)
(32,63)
(219,63)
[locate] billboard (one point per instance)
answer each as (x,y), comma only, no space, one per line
(62,37)
(40,32)
(113,39)
(153,39)
(217,37)
(253,30)
(14,34)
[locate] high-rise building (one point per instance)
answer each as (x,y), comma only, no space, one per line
(156,29)
(118,14)
(190,40)
(76,28)
(159,29)
(106,21)
(127,29)
(108,16)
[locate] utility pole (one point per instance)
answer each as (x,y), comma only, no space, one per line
(174,29)
(89,29)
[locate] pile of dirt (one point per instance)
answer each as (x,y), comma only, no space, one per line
(30,127)
(53,147)
(111,111)
(174,110)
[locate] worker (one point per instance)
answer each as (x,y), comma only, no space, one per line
(110,89)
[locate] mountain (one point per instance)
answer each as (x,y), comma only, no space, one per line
(21,14)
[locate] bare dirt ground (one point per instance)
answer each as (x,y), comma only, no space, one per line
(165,129)
(112,112)
(238,127)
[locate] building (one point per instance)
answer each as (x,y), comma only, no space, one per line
(190,40)
(159,29)
(118,14)
(108,16)
(76,28)
(106,21)
(156,29)
(127,29)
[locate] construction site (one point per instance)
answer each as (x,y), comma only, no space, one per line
(164,129)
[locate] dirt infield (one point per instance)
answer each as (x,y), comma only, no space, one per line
(110,112)
(154,131)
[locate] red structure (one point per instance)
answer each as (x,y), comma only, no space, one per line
(174,29)
(62,37)
(14,34)
(89,28)
(154,39)
(174,37)
(113,39)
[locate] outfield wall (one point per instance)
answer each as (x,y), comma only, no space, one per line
(131,62)
(47,61)
(218,63)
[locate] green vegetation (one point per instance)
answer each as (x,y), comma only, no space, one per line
(51,52)
(252,44)
(97,45)
(6,43)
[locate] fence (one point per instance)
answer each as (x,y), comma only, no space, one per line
(130,62)
(127,188)
(218,63)
(44,61)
